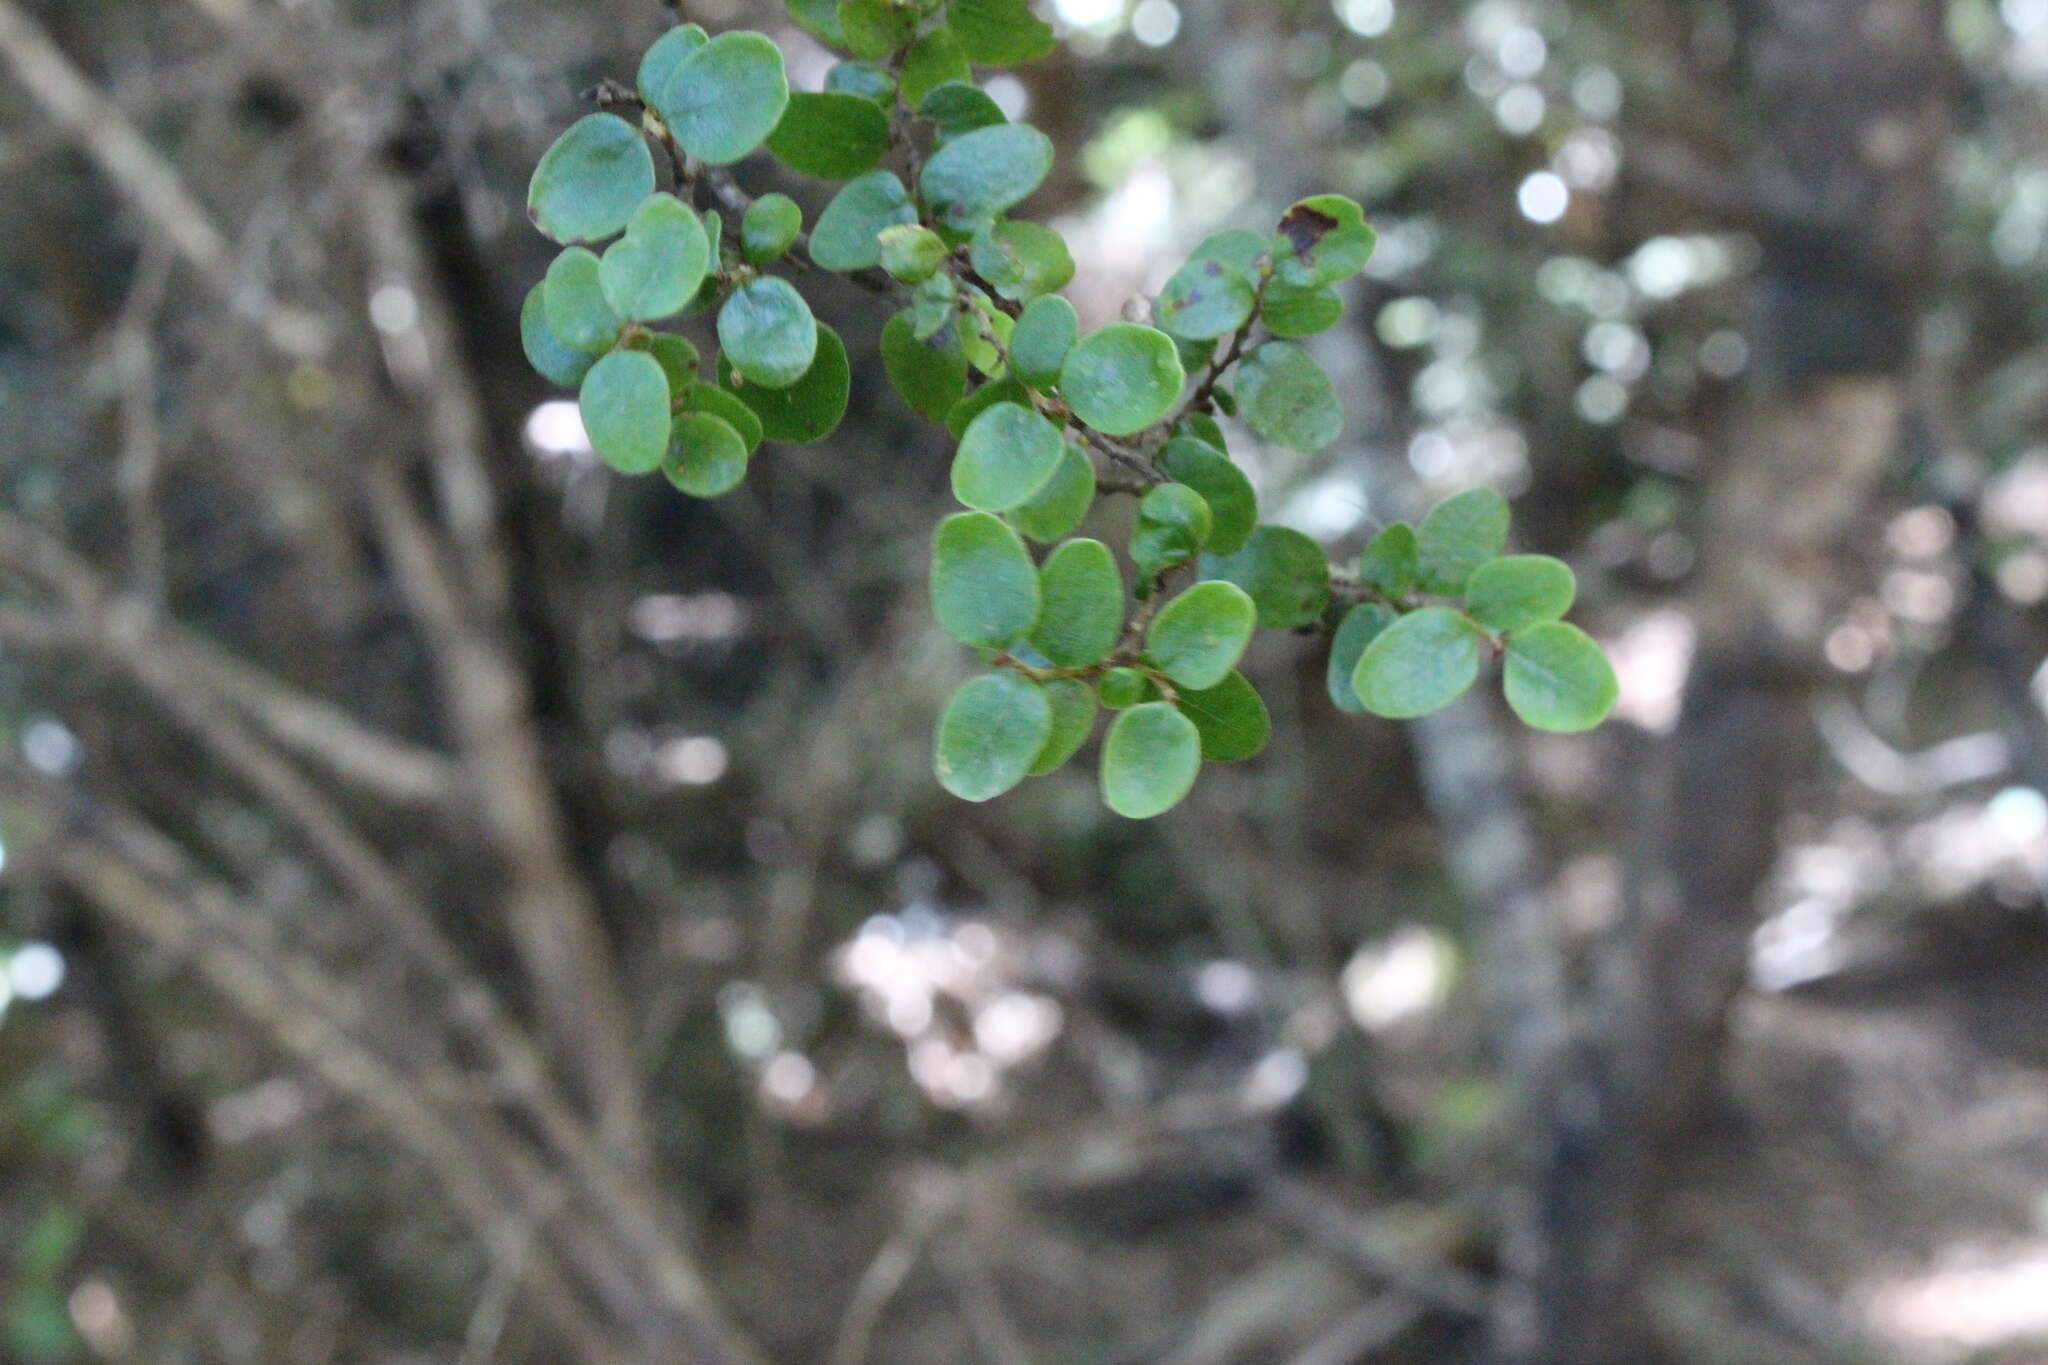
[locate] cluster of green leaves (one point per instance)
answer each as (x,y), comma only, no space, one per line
(1047,419)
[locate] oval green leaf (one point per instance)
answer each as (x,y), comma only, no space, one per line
(706,457)
(1008,454)
(769,228)
(1459,534)
(625,407)
(1222,485)
(666,55)
(553,358)
(846,237)
(1173,524)
(768,333)
(1122,688)
(1231,718)
(1558,679)
(1419,664)
(724,404)
(1123,378)
(958,108)
(1073,717)
(831,136)
(1082,605)
(999,32)
(1286,574)
(1389,565)
(573,298)
(588,184)
(1199,636)
(1150,760)
(992,731)
(979,174)
(1056,509)
(1046,331)
(1292,311)
(1322,240)
(1022,260)
(1517,591)
(723,100)
(1288,399)
(932,61)
(1205,299)
(655,269)
(931,375)
(810,409)
(1359,628)
(984,586)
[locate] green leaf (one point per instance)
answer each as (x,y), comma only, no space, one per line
(728,407)
(876,29)
(1199,636)
(1231,718)
(678,356)
(991,733)
(1293,311)
(1359,628)
(656,268)
(768,333)
(1022,260)
(666,55)
(1419,664)
(866,79)
(625,407)
(1322,240)
(1389,565)
(999,32)
(1046,331)
(1150,760)
(1240,249)
(1073,717)
(831,136)
(810,409)
(1558,679)
(588,184)
(1123,378)
(1459,534)
(957,108)
(978,175)
(931,374)
(1518,591)
(1222,485)
(770,228)
(723,100)
(934,306)
(1174,523)
(1202,427)
(933,60)
(1083,611)
(984,331)
(1286,573)
(845,237)
(573,301)
(981,400)
(706,457)
(821,17)
(553,358)
(1122,688)
(984,586)
(911,253)
(1205,299)
(1057,508)
(1008,453)
(1288,399)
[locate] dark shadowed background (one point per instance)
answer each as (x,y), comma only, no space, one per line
(460,905)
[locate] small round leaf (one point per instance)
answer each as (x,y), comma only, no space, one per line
(591,180)
(1419,664)
(1123,378)
(1082,611)
(625,407)
(769,227)
(1293,311)
(1205,299)
(768,333)
(666,55)
(1056,509)
(1045,332)
(1459,534)
(655,269)
(1022,260)
(553,358)
(706,457)
(1288,399)
(1556,678)
(958,108)
(574,303)
(1286,574)
(1122,688)
(979,174)
(1073,716)
(725,98)
(831,136)
(1222,485)
(848,231)
(992,731)
(1322,240)
(1008,454)
(810,409)
(1359,628)
(1150,760)
(930,374)
(984,586)
(1517,591)
(1231,717)
(1173,525)
(1389,565)
(999,32)
(1199,636)
(726,405)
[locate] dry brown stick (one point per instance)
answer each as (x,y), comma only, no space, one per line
(140,173)
(198,922)
(880,1282)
